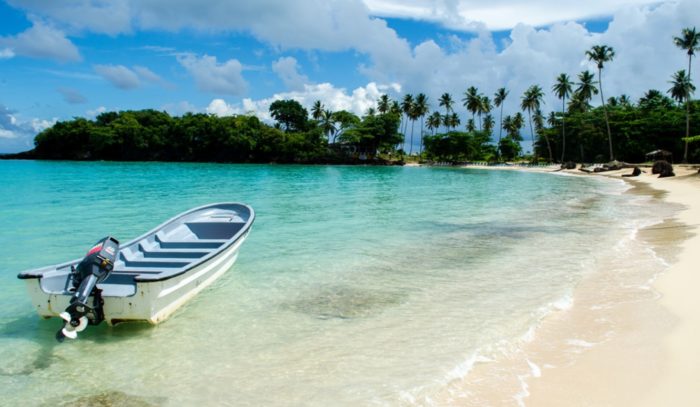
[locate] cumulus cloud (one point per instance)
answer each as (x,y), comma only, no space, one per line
(470,15)
(333,98)
(287,69)
(16,134)
(212,76)
(40,41)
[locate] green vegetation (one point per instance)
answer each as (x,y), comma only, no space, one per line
(578,132)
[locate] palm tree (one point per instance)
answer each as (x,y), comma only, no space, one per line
(690,42)
(586,87)
(531,101)
(328,124)
(422,108)
(434,121)
(406,108)
(454,120)
(383,104)
(563,89)
(483,108)
(317,110)
(446,102)
(488,125)
(413,115)
(498,99)
(518,121)
(602,54)
(371,111)
(681,90)
(471,100)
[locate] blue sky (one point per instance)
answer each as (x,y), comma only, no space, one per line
(77,58)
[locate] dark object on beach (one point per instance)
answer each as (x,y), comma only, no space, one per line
(663,168)
(569,165)
(635,173)
(660,155)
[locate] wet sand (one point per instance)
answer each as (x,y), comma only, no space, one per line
(640,347)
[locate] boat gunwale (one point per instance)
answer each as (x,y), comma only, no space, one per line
(38,273)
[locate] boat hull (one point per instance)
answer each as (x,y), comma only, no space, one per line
(153,301)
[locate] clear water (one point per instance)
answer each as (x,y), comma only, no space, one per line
(357,285)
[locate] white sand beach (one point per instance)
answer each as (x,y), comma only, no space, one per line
(652,356)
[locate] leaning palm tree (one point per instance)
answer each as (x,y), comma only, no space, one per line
(498,99)
(690,42)
(317,110)
(531,101)
(563,89)
(681,90)
(446,102)
(602,54)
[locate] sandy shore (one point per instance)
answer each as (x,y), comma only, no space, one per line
(652,356)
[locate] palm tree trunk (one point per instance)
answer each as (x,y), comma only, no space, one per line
(500,129)
(605,111)
(410,148)
(420,151)
(532,135)
(687,115)
(563,129)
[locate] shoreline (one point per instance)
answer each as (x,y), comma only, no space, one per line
(651,357)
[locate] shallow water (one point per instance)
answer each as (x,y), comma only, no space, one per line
(357,285)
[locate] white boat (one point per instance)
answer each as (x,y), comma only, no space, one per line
(146,279)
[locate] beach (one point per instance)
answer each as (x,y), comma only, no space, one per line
(641,349)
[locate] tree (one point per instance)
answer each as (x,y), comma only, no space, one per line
(562,88)
(689,41)
(328,125)
(531,101)
(406,108)
(383,104)
(422,107)
(602,54)
(317,110)
(289,113)
(681,90)
(484,108)
(471,101)
(498,99)
(434,121)
(446,102)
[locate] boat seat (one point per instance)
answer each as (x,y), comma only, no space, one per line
(188,244)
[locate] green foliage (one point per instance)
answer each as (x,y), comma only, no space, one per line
(149,135)
(456,146)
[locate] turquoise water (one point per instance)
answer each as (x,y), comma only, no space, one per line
(357,285)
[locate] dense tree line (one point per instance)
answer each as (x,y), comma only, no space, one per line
(152,135)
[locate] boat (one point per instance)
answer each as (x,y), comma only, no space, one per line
(146,279)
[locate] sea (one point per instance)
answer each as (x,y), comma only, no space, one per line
(358,285)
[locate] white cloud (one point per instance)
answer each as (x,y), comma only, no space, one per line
(108,17)
(470,15)
(40,41)
(287,69)
(335,99)
(147,74)
(215,77)
(17,134)
(95,112)
(119,76)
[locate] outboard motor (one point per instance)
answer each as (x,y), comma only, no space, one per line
(92,270)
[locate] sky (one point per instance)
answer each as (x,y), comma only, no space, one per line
(78,58)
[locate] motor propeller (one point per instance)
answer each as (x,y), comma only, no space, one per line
(92,270)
